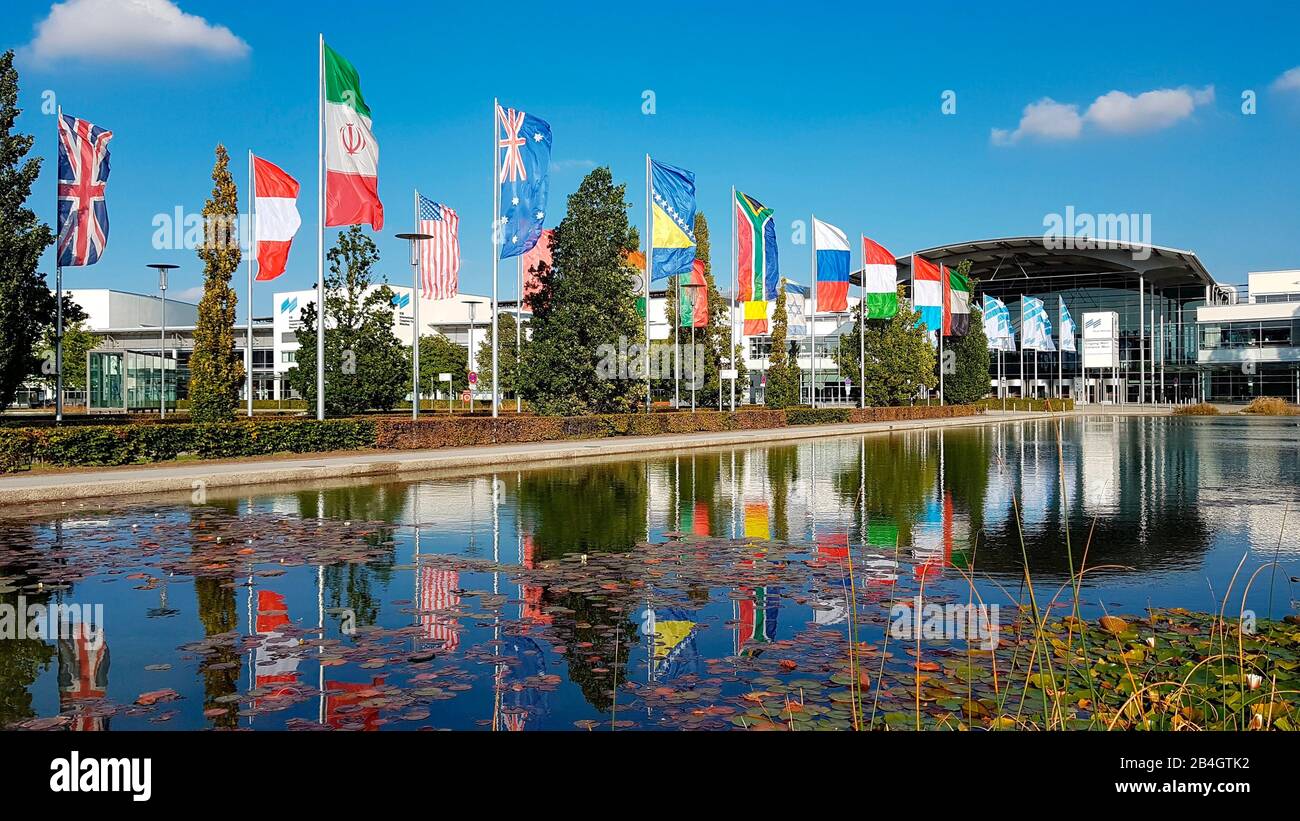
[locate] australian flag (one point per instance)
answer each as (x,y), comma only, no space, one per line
(523,167)
(83,179)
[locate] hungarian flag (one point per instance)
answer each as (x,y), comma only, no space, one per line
(757,271)
(956,303)
(927,293)
(831,251)
(879,280)
(351,153)
(695,298)
(275,196)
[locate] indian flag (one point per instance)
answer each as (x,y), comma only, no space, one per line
(351,153)
(879,280)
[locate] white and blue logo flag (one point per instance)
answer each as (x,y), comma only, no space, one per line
(1035,327)
(1067,326)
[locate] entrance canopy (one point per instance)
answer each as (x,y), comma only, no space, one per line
(1015,265)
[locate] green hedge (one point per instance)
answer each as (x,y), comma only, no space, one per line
(123,444)
(128,444)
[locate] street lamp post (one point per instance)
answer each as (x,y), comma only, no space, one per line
(415,318)
(162,268)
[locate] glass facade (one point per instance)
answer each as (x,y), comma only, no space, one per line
(133,380)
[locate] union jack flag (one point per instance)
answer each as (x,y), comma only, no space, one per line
(512,166)
(83,179)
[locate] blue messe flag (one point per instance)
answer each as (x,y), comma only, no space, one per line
(523,165)
(672,235)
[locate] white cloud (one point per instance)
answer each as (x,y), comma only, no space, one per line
(1046,119)
(127,31)
(193,294)
(1121,113)
(1289,81)
(1115,112)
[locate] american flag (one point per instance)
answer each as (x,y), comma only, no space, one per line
(438,596)
(83,178)
(440,256)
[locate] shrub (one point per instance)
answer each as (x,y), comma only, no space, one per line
(903,413)
(1022,405)
(1199,409)
(817,416)
(1272,406)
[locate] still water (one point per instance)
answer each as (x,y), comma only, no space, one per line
(643,593)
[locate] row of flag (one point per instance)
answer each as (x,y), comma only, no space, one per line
(1036,327)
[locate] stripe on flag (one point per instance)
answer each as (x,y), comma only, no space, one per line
(275,196)
(440,256)
(879,280)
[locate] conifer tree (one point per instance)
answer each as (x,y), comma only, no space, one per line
(216,372)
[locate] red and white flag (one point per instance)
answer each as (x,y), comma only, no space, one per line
(440,256)
(275,195)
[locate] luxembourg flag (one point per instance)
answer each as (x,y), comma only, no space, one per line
(927,292)
(831,251)
(351,153)
(276,219)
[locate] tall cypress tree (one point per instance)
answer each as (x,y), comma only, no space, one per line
(782,389)
(26,306)
(585,309)
(215,371)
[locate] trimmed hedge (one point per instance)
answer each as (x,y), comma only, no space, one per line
(94,445)
(123,444)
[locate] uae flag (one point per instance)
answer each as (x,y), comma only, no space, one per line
(275,196)
(956,303)
(351,153)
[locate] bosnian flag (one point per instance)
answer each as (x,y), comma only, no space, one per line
(927,293)
(831,250)
(351,153)
(879,280)
(275,196)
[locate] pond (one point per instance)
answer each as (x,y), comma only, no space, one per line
(656,593)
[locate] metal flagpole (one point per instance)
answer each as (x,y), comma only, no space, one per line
(812,322)
(649,252)
(676,347)
(862,330)
(496,211)
(320,239)
(58,287)
(731,354)
(695,366)
(1060,352)
(415,310)
(252,252)
(519,325)
(1022,347)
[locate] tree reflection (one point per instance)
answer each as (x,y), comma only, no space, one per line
(591,509)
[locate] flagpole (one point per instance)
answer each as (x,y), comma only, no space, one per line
(415,311)
(1022,347)
(58,287)
(649,252)
(252,252)
(496,208)
(731,354)
(320,238)
(812,321)
(862,329)
(677,343)
(519,326)
(1060,348)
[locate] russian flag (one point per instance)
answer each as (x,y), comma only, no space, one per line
(831,247)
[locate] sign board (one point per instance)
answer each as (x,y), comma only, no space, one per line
(728,373)
(473,377)
(444,377)
(465,396)
(1101,340)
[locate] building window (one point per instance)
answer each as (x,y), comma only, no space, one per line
(288,357)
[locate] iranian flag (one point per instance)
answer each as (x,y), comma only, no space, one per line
(351,153)
(275,196)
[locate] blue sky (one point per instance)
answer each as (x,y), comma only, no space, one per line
(809,107)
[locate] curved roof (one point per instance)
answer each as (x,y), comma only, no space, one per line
(1062,262)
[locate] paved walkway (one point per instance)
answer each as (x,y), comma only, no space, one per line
(174,477)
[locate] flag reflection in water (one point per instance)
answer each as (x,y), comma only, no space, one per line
(83,673)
